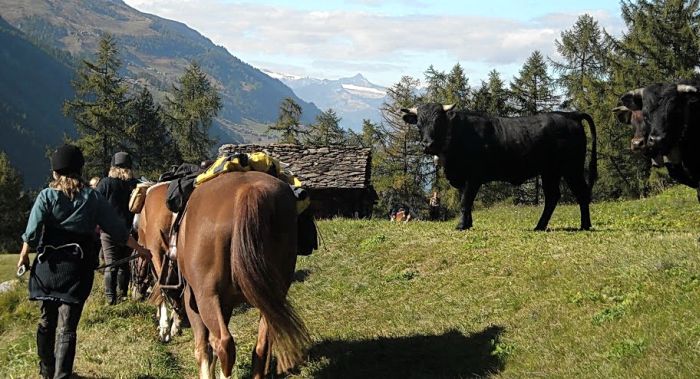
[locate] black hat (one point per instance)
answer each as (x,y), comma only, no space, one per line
(121,159)
(67,159)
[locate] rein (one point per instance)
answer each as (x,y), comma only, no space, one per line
(117,262)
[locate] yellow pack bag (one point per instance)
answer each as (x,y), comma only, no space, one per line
(138,197)
(257,161)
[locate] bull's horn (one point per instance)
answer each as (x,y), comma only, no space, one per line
(686,88)
(413,110)
(621,108)
(637,92)
(448,107)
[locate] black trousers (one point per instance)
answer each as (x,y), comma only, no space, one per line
(56,338)
(116,278)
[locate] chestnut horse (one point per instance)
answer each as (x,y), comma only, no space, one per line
(153,227)
(237,243)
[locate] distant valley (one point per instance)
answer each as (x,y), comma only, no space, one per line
(354,99)
(154,52)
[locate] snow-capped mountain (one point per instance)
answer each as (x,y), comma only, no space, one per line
(353,99)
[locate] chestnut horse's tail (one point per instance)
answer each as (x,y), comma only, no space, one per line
(260,279)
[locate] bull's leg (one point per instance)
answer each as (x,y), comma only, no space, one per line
(467,201)
(550,186)
(202,350)
(262,354)
(579,187)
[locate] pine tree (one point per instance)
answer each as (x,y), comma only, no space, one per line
(154,150)
(98,109)
(14,206)
(190,112)
(288,123)
(326,130)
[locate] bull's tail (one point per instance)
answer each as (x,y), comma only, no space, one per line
(260,279)
(593,164)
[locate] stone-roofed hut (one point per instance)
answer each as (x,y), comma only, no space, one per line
(338,178)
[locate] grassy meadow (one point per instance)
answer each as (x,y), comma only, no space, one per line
(421,300)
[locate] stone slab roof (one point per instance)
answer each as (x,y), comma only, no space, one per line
(318,167)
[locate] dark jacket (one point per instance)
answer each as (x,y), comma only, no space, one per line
(61,229)
(117,192)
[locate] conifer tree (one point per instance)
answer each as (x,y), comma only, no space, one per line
(457,89)
(154,150)
(405,170)
(98,108)
(14,205)
(326,130)
(582,68)
(661,43)
(190,112)
(533,89)
(436,86)
(533,93)
(288,123)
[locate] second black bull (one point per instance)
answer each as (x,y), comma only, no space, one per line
(475,148)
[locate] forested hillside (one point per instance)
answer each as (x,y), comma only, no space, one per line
(33,86)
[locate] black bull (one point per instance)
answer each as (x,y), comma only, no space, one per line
(666,117)
(475,149)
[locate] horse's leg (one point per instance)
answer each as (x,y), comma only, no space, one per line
(163,323)
(176,328)
(216,319)
(202,350)
(262,352)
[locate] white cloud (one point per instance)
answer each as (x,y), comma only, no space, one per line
(366,39)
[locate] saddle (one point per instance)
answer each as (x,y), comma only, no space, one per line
(185,182)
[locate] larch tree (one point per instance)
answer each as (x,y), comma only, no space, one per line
(405,171)
(288,124)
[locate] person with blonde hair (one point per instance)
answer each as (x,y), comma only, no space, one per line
(93,181)
(60,228)
(116,188)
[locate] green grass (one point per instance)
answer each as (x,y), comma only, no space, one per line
(421,300)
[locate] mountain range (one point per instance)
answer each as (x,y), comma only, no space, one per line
(154,52)
(353,99)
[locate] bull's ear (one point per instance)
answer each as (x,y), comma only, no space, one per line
(410,115)
(623,114)
(632,100)
(448,107)
(410,118)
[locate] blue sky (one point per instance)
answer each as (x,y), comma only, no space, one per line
(384,40)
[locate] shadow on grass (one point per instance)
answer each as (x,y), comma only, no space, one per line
(450,355)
